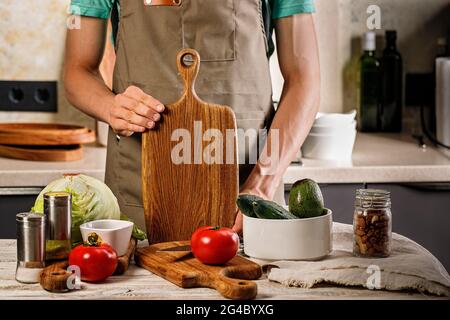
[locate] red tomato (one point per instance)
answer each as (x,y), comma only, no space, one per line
(214,245)
(96,262)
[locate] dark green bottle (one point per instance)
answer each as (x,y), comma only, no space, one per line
(391,86)
(369,86)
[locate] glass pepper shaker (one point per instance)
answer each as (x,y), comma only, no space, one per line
(372,223)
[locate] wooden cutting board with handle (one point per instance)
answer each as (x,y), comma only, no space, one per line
(180,196)
(232,280)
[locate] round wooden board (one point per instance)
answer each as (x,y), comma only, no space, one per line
(43,153)
(44,134)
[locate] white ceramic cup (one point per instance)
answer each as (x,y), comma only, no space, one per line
(116,233)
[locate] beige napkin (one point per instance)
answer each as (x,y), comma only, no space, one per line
(409,267)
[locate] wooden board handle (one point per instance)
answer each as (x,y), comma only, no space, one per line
(232,282)
(235,289)
(188,61)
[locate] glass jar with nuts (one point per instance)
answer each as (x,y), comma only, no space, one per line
(372,223)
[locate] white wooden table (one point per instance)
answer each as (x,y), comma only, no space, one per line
(138,283)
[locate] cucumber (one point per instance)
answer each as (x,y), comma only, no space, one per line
(245,204)
(265,209)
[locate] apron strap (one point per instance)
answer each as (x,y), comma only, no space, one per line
(267,22)
(115,21)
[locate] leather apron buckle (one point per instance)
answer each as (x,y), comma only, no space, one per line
(162,2)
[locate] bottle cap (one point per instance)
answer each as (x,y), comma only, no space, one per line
(391,35)
(442,41)
(369,41)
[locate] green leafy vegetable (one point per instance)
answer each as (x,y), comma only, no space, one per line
(91,200)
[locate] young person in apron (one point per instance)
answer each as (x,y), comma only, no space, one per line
(232,39)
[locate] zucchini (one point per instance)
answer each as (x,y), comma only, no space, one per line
(245,204)
(265,209)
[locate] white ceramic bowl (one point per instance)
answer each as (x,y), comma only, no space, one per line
(341,129)
(116,233)
(335,119)
(335,147)
(293,239)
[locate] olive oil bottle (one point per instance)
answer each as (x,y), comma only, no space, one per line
(369,113)
(391,79)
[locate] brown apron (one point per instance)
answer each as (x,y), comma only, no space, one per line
(228,34)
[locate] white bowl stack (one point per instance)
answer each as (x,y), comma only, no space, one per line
(332,137)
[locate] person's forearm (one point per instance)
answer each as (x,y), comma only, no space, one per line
(299,103)
(87,91)
(293,120)
(126,112)
(85,88)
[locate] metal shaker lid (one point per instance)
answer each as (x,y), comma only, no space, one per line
(58,197)
(30,218)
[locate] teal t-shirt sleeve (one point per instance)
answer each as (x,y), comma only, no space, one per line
(91,8)
(285,8)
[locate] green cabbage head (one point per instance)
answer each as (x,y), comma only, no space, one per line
(91,200)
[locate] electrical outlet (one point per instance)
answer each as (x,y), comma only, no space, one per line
(419,89)
(28,96)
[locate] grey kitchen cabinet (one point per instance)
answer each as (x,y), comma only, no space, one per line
(420,212)
(13,201)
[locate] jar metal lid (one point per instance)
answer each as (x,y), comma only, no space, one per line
(373,193)
(373,198)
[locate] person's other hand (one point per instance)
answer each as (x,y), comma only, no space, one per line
(134,111)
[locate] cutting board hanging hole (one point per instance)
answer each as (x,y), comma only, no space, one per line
(188,61)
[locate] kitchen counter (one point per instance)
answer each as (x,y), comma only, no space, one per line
(377,158)
(138,283)
(22,173)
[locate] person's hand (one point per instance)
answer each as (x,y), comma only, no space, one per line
(134,111)
(238,223)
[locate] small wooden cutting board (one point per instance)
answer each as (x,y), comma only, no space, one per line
(184,270)
(179,197)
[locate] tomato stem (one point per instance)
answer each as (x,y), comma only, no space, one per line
(215,228)
(93,240)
